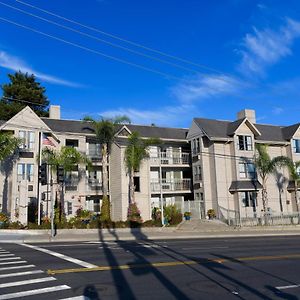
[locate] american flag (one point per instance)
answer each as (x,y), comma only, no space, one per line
(47,140)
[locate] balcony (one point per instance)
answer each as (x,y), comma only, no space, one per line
(71,183)
(168,159)
(94,156)
(94,184)
(198,177)
(173,185)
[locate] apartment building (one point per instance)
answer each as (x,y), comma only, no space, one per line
(164,176)
(224,173)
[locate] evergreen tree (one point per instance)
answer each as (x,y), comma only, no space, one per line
(22,90)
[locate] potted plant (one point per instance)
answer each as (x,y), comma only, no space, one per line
(211,214)
(187,215)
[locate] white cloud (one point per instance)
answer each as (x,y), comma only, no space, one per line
(14,63)
(277,110)
(266,47)
(204,87)
(164,116)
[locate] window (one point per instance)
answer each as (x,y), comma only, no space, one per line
(247,170)
(71,143)
(248,199)
(21,172)
(197,172)
(27,138)
(245,143)
(29,172)
(296,146)
(196,146)
(25,172)
(136,182)
(94,150)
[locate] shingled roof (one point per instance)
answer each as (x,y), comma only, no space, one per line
(145,131)
(225,129)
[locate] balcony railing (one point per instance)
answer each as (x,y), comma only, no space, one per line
(94,184)
(94,156)
(198,177)
(71,183)
(171,185)
(175,159)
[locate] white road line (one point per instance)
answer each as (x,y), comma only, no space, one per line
(24,282)
(62,256)
(17,267)
(288,287)
(12,262)
(204,248)
(34,292)
(76,298)
(5,255)
(4,252)
(21,274)
(11,258)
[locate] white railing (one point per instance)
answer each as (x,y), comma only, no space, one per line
(94,184)
(171,185)
(171,159)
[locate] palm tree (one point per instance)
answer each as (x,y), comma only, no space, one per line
(67,158)
(135,153)
(8,145)
(293,168)
(105,131)
(266,166)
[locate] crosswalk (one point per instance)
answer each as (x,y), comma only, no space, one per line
(20,279)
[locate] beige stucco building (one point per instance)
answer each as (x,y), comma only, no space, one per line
(165,175)
(224,173)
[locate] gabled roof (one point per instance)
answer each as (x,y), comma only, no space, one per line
(159,132)
(289,131)
(83,127)
(225,130)
(71,126)
(234,126)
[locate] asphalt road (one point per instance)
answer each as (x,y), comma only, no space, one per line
(227,268)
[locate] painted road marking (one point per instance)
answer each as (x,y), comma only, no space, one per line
(21,274)
(17,267)
(204,248)
(172,264)
(5,255)
(287,287)
(10,258)
(12,262)
(34,292)
(76,298)
(24,282)
(62,256)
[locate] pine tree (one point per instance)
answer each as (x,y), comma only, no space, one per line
(22,90)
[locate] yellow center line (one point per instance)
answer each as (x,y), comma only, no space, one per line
(172,264)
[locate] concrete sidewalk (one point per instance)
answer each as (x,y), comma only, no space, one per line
(126,234)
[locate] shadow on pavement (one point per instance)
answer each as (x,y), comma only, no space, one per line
(281,294)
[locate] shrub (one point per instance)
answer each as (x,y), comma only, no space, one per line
(172,214)
(134,214)
(156,213)
(105,210)
(16,225)
(152,223)
(211,213)
(3,217)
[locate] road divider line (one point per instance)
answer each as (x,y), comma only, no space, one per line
(288,287)
(17,267)
(21,274)
(35,292)
(61,256)
(5,255)
(173,264)
(24,282)
(13,262)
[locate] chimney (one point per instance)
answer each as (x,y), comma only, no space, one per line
(54,112)
(247,113)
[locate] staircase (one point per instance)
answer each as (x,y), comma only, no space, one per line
(203,226)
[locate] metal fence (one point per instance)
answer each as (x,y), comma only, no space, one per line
(232,217)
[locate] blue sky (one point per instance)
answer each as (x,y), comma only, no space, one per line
(244,55)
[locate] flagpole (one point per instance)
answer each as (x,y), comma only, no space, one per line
(39,184)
